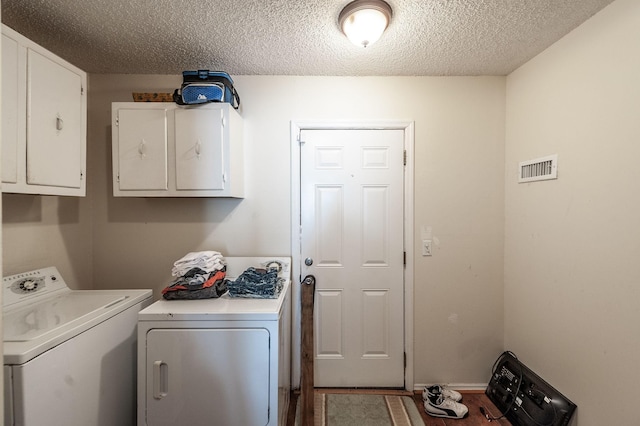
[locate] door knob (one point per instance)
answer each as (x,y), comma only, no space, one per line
(308,261)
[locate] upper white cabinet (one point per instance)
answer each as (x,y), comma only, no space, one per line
(161,149)
(44,120)
(140,156)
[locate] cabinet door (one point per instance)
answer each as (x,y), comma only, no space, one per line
(201,377)
(142,149)
(199,151)
(11,104)
(54,123)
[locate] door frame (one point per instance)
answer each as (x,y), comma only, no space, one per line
(296,255)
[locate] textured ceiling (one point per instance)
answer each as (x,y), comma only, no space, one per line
(296,37)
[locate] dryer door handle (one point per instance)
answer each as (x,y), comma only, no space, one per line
(160,379)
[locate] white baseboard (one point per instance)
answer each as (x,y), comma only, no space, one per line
(456,386)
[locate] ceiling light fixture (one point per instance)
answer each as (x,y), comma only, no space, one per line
(364,21)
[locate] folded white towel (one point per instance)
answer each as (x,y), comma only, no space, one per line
(207,260)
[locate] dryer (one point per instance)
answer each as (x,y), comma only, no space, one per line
(223,361)
(69,355)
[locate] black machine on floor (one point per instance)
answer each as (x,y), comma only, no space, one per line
(524,398)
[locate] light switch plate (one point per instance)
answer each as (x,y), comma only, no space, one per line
(426,247)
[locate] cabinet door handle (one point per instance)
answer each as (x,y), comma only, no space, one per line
(142,148)
(198,147)
(160,379)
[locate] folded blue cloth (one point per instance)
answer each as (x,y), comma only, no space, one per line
(256,283)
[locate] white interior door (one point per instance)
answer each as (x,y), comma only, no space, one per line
(352,229)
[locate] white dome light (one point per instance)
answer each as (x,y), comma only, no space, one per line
(364,21)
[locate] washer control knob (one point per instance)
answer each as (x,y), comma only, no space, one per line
(28,285)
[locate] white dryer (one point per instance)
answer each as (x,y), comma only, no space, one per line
(69,355)
(223,361)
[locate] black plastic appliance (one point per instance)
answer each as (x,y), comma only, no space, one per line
(524,398)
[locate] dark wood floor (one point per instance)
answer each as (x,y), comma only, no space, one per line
(472,399)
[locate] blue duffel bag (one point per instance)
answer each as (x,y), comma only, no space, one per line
(203,86)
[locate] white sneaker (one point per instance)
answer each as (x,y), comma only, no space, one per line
(441,390)
(439,406)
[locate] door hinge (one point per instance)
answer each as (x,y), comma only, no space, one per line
(300,141)
(404,258)
(404,157)
(81,90)
(405,359)
(117,120)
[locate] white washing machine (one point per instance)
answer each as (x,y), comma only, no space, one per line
(223,361)
(69,355)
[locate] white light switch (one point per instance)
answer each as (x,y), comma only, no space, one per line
(426,247)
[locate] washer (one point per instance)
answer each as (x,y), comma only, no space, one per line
(219,361)
(69,355)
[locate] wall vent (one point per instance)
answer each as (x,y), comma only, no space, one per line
(544,168)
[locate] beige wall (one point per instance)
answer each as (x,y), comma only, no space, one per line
(459,146)
(40,231)
(572,246)
(571,293)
